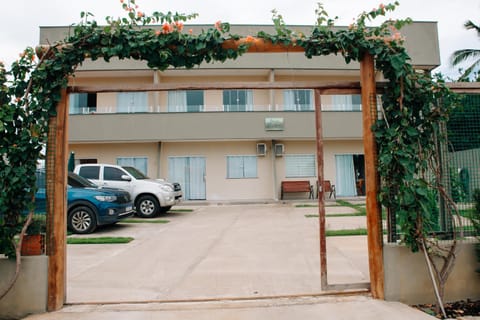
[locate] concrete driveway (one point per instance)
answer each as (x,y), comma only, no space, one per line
(216,251)
(223,262)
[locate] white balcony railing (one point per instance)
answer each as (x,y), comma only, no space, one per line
(216,108)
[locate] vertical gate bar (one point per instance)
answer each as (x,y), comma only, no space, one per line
(374,219)
(320,191)
(56,212)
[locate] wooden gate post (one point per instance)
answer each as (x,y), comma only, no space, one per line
(57,205)
(374,217)
(320,192)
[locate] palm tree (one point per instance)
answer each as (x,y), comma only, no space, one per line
(464,55)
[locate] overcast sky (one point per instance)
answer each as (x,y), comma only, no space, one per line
(21,19)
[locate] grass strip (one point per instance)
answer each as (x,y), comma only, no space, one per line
(143,221)
(313,205)
(336,215)
(360,208)
(99,240)
(346,232)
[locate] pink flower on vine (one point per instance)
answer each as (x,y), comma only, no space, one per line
(158,32)
(397,36)
(121,1)
(218,25)
(140,14)
(179,25)
(167,28)
(190,31)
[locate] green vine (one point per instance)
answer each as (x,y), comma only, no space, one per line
(414,104)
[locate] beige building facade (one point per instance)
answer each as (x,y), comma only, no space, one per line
(228,144)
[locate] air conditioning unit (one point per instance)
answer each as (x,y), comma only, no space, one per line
(261,149)
(279,150)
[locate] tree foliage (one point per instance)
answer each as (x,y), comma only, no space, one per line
(471,55)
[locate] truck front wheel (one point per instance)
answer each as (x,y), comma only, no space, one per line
(147,206)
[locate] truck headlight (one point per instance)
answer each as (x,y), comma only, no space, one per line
(166,188)
(106,198)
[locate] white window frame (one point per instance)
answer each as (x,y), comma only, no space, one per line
(178,101)
(248,106)
(291,100)
(344,102)
(238,167)
(132,102)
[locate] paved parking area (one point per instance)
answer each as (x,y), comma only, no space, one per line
(216,251)
(215,254)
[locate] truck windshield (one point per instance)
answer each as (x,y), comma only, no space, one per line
(135,173)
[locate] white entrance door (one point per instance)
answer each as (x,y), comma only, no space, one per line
(190,173)
(345,176)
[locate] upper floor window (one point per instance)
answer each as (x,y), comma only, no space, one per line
(83,103)
(185,101)
(347,102)
(241,167)
(298,100)
(132,102)
(237,100)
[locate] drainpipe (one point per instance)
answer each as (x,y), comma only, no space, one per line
(156,94)
(274,171)
(159,154)
(271,79)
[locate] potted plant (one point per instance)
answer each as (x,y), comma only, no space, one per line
(33,242)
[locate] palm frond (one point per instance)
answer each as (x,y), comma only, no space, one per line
(463,55)
(469,25)
(466,74)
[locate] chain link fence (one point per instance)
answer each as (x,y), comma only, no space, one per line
(459,171)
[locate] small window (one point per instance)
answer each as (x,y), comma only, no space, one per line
(241,167)
(300,165)
(237,100)
(131,102)
(111,173)
(81,103)
(185,101)
(90,172)
(298,100)
(347,102)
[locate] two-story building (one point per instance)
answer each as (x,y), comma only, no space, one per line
(229,143)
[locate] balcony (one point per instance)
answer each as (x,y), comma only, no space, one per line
(103,125)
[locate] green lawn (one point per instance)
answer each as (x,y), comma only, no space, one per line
(99,240)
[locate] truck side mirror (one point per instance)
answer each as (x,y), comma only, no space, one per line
(126,177)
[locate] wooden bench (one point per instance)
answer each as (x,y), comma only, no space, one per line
(297,186)
(328,187)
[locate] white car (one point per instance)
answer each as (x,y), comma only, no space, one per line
(151,196)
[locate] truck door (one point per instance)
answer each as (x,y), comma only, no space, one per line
(114,178)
